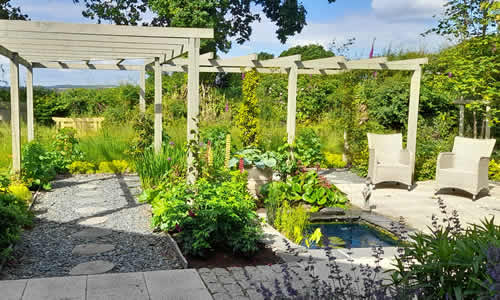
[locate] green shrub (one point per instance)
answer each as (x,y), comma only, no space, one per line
(334,160)
(65,149)
(208,214)
(292,221)
(37,169)
(304,188)
(81,167)
(247,119)
(13,216)
(155,168)
(113,167)
(494,170)
(20,191)
(308,148)
(449,262)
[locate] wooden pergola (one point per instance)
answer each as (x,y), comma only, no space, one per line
(78,46)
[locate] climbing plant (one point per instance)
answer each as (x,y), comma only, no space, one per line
(247,119)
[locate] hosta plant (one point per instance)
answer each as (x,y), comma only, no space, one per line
(254,157)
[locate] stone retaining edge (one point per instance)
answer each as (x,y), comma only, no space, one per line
(184,261)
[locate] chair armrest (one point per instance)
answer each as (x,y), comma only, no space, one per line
(484,163)
(445,160)
(372,162)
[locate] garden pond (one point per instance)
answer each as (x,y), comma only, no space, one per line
(353,235)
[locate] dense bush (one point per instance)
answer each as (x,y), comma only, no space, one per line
(494,170)
(14,216)
(303,188)
(65,149)
(114,167)
(334,160)
(208,214)
(38,168)
(308,148)
(248,112)
(81,167)
(450,262)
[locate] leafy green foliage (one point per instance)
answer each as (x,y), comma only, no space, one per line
(155,168)
(114,167)
(494,170)
(9,12)
(308,52)
(81,167)
(143,126)
(308,148)
(221,214)
(65,149)
(465,19)
(38,168)
(247,119)
(13,216)
(334,160)
(305,188)
(254,157)
(448,262)
(292,221)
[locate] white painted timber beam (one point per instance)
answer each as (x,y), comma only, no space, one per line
(85,66)
(142,90)
(413,110)
(240,61)
(105,29)
(278,62)
(61,55)
(90,40)
(169,68)
(193,104)
(73,50)
(14,114)
(10,54)
(158,107)
(29,104)
(325,63)
(291,103)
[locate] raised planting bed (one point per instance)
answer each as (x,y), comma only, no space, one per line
(223,258)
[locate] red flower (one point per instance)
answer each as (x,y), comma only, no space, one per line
(242,165)
(178,228)
(191,214)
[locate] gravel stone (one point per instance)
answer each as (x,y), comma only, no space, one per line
(90,210)
(46,249)
(92,249)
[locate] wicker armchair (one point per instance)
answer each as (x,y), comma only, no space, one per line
(466,168)
(388,160)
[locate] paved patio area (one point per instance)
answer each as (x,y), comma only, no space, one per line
(418,205)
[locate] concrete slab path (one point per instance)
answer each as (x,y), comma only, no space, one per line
(164,285)
(418,205)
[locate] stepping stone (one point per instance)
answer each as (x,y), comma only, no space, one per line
(92,249)
(88,187)
(88,194)
(94,221)
(92,233)
(90,210)
(92,267)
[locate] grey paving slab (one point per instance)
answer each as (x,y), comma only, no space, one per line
(56,288)
(129,286)
(93,221)
(92,249)
(92,267)
(176,284)
(12,289)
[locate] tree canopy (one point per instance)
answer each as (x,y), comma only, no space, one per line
(465,19)
(9,12)
(312,51)
(231,19)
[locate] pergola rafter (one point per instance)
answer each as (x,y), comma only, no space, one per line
(82,46)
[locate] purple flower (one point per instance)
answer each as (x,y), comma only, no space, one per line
(242,76)
(171,143)
(169,159)
(227,107)
(450,74)
(494,49)
(375,74)
(201,144)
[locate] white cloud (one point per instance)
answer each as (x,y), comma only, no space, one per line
(402,10)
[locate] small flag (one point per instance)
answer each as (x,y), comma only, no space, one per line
(371,51)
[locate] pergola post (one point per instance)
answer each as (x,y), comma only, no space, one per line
(292,103)
(142,90)
(413,110)
(461,120)
(158,107)
(14,117)
(193,105)
(29,103)
(487,132)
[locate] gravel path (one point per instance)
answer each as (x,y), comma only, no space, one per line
(91,219)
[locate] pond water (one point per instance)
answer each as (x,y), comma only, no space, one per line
(353,235)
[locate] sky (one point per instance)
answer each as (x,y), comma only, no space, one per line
(394,24)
